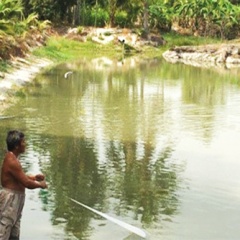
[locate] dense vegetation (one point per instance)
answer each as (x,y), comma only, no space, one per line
(17,32)
(218,18)
(22,21)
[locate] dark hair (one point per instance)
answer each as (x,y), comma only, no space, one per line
(14,138)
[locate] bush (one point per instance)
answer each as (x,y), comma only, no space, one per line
(96,16)
(121,18)
(160,16)
(208,17)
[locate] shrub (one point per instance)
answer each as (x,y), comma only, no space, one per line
(96,16)
(121,19)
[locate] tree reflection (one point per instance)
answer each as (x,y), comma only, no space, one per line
(147,190)
(126,182)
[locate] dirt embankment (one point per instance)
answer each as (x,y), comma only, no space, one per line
(22,72)
(22,66)
(213,55)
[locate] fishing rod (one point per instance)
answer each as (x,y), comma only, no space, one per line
(127,226)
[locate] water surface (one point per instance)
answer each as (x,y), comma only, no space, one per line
(153,144)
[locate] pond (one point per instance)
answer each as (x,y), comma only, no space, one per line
(153,144)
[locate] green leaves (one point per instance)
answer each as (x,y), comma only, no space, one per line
(15,29)
(10,9)
(10,15)
(160,15)
(210,16)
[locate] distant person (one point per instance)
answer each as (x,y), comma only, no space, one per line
(14,181)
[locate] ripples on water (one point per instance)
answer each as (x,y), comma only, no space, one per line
(155,145)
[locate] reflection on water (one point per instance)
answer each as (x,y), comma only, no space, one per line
(147,142)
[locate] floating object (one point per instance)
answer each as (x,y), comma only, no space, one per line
(67,74)
(127,226)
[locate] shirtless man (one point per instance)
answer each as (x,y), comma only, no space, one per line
(14,181)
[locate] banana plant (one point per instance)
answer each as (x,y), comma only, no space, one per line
(207,15)
(226,17)
(160,15)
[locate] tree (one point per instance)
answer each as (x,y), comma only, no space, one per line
(112,11)
(208,17)
(145,17)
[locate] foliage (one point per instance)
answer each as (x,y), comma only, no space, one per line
(121,19)
(133,9)
(16,31)
(160,16)
(10,15)
(50,9)
(96,16)
(10,9)
(218,18)
(236,2)
(208,17)
(44,9)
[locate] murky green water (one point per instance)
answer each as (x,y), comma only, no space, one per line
(152,144)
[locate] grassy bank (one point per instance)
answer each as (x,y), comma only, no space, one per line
(174,39)
(60,49)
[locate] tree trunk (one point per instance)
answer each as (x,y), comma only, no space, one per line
(77,13)
(145,18)
(112,11)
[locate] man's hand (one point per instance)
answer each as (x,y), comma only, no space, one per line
(43,184)
(39,177)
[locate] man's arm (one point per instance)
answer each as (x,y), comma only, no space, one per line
(39,177)
(16,171)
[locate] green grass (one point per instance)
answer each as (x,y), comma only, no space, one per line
(174,39)
(3,66)
(61,49)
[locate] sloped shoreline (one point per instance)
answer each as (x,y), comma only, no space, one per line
(23,71)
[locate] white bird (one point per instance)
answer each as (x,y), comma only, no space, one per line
(67,74)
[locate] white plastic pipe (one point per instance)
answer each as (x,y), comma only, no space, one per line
(127,226)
